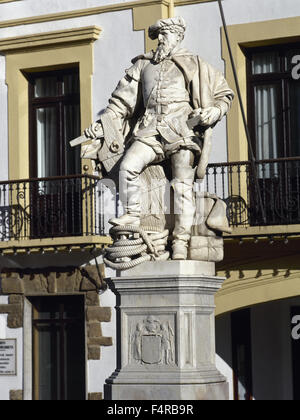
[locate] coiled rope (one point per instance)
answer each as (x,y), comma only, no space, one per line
(150,246)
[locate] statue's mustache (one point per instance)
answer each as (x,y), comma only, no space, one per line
(163,46)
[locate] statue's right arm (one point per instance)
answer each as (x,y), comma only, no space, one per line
(126,96)
(122,105)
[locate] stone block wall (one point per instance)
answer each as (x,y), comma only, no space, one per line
(52,282)
(85,280)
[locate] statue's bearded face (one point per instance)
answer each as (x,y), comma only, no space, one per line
(167,42)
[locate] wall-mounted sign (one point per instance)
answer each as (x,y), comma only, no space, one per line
(8,359)
(2,327)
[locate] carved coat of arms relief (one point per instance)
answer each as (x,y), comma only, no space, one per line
(152,342)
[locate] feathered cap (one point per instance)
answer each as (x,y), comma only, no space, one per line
(176,22)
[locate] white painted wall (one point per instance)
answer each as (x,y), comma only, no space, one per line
(118,37)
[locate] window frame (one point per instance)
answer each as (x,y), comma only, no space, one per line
(58,102)
(56,49)
(282,79)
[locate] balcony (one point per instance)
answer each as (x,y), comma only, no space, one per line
(262,198)
(49,213)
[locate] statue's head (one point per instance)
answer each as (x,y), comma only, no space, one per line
(170,33)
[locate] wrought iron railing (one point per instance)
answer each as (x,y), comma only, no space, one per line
(267,193)
(51,207)
(260,194)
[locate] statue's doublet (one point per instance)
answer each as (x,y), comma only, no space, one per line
(166,106)
(163,96)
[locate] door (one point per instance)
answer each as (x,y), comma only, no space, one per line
(54,100)
(242,354)
(58,329)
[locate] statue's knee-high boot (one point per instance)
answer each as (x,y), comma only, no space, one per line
(184,211)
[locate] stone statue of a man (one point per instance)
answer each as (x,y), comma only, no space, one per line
(160,93)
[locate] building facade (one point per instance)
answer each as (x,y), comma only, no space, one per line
(59,63)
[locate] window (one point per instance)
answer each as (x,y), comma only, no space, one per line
(273,115)
(66,48)
(54,113)
(58,348)
(273,102)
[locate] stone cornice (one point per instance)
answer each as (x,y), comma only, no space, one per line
(80,13)
(95,11)
(46,39)
(7,1)
(188,2)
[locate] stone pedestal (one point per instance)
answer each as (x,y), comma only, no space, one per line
(166,333)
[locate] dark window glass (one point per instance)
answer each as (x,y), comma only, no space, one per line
(45,86)
(265,62)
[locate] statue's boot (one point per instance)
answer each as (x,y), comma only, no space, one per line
(182,235)
(180,250)
(184,209)
(126,220)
